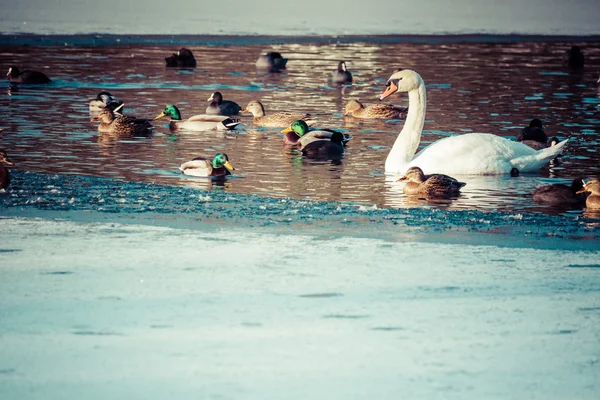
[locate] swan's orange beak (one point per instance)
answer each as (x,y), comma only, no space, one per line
(391,89)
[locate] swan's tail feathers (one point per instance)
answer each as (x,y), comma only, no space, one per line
(539,159)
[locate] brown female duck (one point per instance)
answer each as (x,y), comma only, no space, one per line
(561,195)
(374,111)
(276,120)
(121,124)
(434,185)
(592,186)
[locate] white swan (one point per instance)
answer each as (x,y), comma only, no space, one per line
(468,154)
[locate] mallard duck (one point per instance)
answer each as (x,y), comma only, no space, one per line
(272,61)
(324,148)
(182,59)
(592,186)
(434,185)
(559,194)
(219,166)
(341,75)
(32,77)
(218,106)
(197,122)
(535,137)
(374,111)
(299,134)
(105,100)
(277,120)
(121,124)
(574,58)
(4,174)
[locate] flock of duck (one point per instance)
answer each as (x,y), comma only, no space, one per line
(427,173)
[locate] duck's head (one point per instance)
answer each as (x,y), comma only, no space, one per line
(353,106)
(413,174)
(535,123)
(171,111)
(4,158)
(592,185)
(337,137)
(221,160)
(256,108)
(106,115)
(216,97)
(13,71)
(274,55)
(342,66)
(299,127)
(403,80)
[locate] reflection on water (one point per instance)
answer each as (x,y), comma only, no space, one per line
(494,88)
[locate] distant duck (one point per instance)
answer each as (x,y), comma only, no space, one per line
(574,58)
(201,122)
(218,106)
(434,185)
(104,100)
(4,174)
(219,166)
(299,134)
(182,59)
(341,75)
(374,111)
(271,61)
(30,77)
(561,195)
(276,120)
(593,200)
(331,148)
(121,124)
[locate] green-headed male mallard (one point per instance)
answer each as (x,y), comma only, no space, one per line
(31,77)
(121,124)
(218,106)
(219,166)
(276,120)
(434,185)
(299,134)
(374,111)
(4,174)
(202,122)
(592,186)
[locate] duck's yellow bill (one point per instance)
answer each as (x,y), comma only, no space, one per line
(287,130)
(391,89)
(159,116)
(229,166)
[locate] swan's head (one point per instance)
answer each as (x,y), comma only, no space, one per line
(403,80)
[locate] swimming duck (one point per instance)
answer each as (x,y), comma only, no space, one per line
(559,194)
(374,111)
(535,137)
(4,174)
(218,106)
(333,147)
(341,75)
(104,100)
(574,57)
(277,120)
(182,59)
(593,200)
(272,61)
(197,122)
(121,124)
(434,185)
(299,134)
(32,77)
(472,153)
(219,166)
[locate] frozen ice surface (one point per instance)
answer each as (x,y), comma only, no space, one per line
(101,310)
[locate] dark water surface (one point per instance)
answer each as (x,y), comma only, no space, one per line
(471,87)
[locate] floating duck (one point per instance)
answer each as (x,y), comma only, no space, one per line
(219,166)
(182,59)
(341,75)
(30,77)
(330,148)
(4,173)
(561,195)
(200,122)
(592,186)
(434,185)
(276,120)
(218,106)
(121,124)
(574,57)
(374,111)
(271,61)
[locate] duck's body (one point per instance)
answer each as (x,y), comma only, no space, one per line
(332,147)
(561,195)
(574,58)
(593,200)
(276,120)
(374,111)
(182,59)
(434,185)
(341,75)
(197,123)
(300,135)
(121,124)
(203,167)
(271,61)
(4,173)
(28,77)
(468,154)
(104,100)
(218,106)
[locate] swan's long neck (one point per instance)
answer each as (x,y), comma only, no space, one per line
(408,140)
